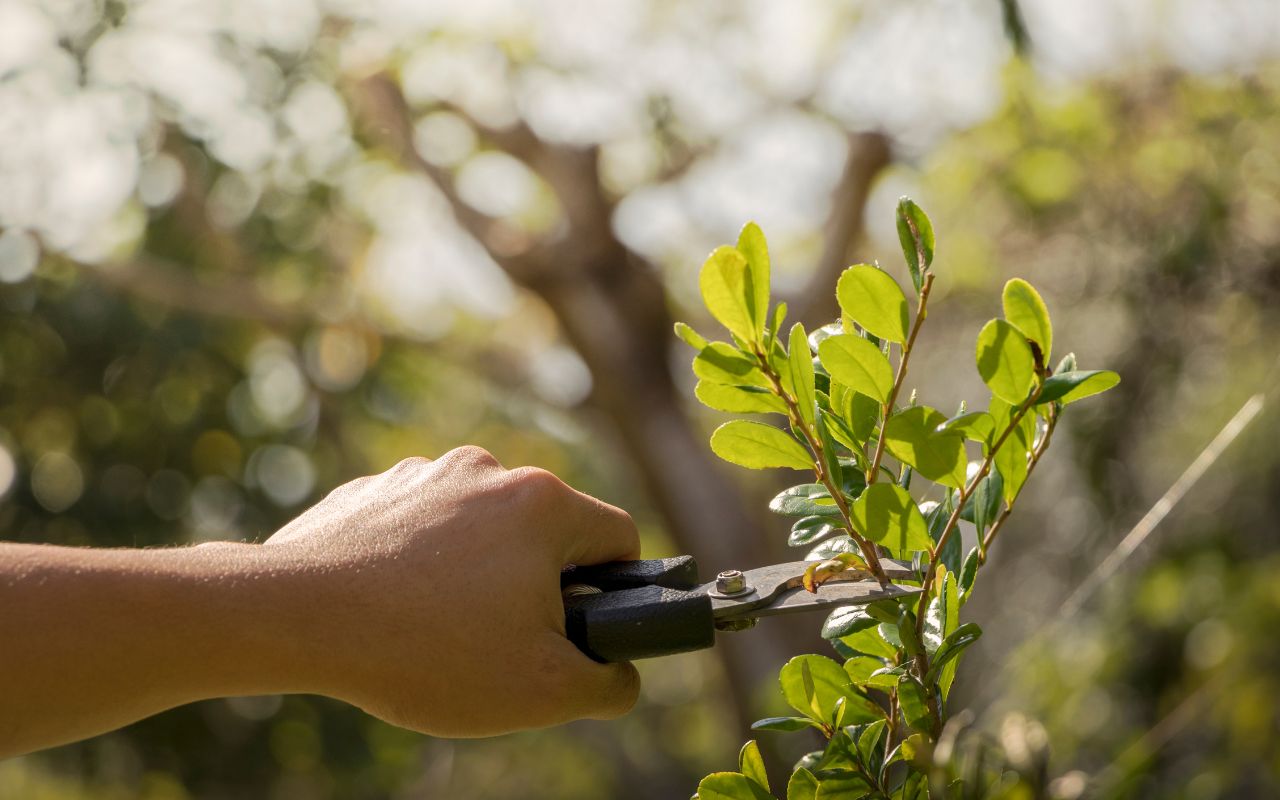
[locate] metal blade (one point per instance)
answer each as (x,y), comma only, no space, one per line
(777,589)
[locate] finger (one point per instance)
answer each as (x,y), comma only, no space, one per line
(585,530)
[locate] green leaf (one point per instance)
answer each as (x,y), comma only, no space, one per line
(811,685)
(862,414)
(739,399)
(912,437)
(887,515)
(1026,311)
(690,337)
(720,362)
(775,326)
(800,362)
(808,530)
(914,707)
(1067,387)
(915,232)
(1004,361)
(784,724)
(728,293)
(806,499)
(802,786)
(977,426)
(846,620)
(831,548)
(951,597)
(755,445)
(968,573)
(755,250)
(730,786)
(871,298)
(870,642)
(858,364)
(868,742)
(952,647)
(844,786)
(752,765)
(860,668)
(1011,458)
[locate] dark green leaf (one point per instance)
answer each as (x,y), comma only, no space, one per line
(752,765)
(830,454)
(912,437)
(808,530)
(871,298)
(729,294)
(1068,387)
(911,700)
(868,743)
(952,647)
(915,232)
(846,620)
(830,548)
(783,724)
(1011,458)
(807,499)
(858,364)
(887,515)
(758,446)
(1004,361)
(1026,311)
(968,573)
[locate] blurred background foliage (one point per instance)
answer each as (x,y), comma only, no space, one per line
(251,250)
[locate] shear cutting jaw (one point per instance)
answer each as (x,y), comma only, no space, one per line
(777,589)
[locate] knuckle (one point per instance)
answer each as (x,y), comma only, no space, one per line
(471,455)
(622,695)
(410,466)
(535,481)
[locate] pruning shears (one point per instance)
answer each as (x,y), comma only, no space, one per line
(624,610)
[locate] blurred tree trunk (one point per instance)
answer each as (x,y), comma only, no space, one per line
(612,307)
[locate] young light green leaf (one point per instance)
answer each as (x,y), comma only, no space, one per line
(811,685)
(721,362)
(775,326)
(784,724)
(755,445)
(752,765)
(1067,387)
(800,363)
(730,786)
(887,515)
(976,426)
(690,337)
(858,364)
(862,413)
(873,299)
(752,245)
(1026,311)
(860,668)
(739,399)
(1005,361)
(1011,458)
(915,232)
(728,293)
(802,785)
(912,437)
(869,641)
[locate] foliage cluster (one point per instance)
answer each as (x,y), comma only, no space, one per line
(882,711)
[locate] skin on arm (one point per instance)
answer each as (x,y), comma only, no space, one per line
(428,595)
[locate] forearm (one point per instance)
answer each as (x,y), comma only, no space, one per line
(95,639)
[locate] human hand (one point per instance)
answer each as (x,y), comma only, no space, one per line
(435,595)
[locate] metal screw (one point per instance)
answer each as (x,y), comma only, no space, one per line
(731,582)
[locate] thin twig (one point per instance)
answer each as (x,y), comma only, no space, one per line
(899,378)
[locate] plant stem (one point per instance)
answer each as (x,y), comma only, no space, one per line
(1036,453)
(926,587)
(820,470)
(899,378)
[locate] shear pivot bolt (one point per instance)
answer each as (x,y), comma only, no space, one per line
(731,582)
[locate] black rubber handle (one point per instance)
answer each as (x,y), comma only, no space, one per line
(641,610)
